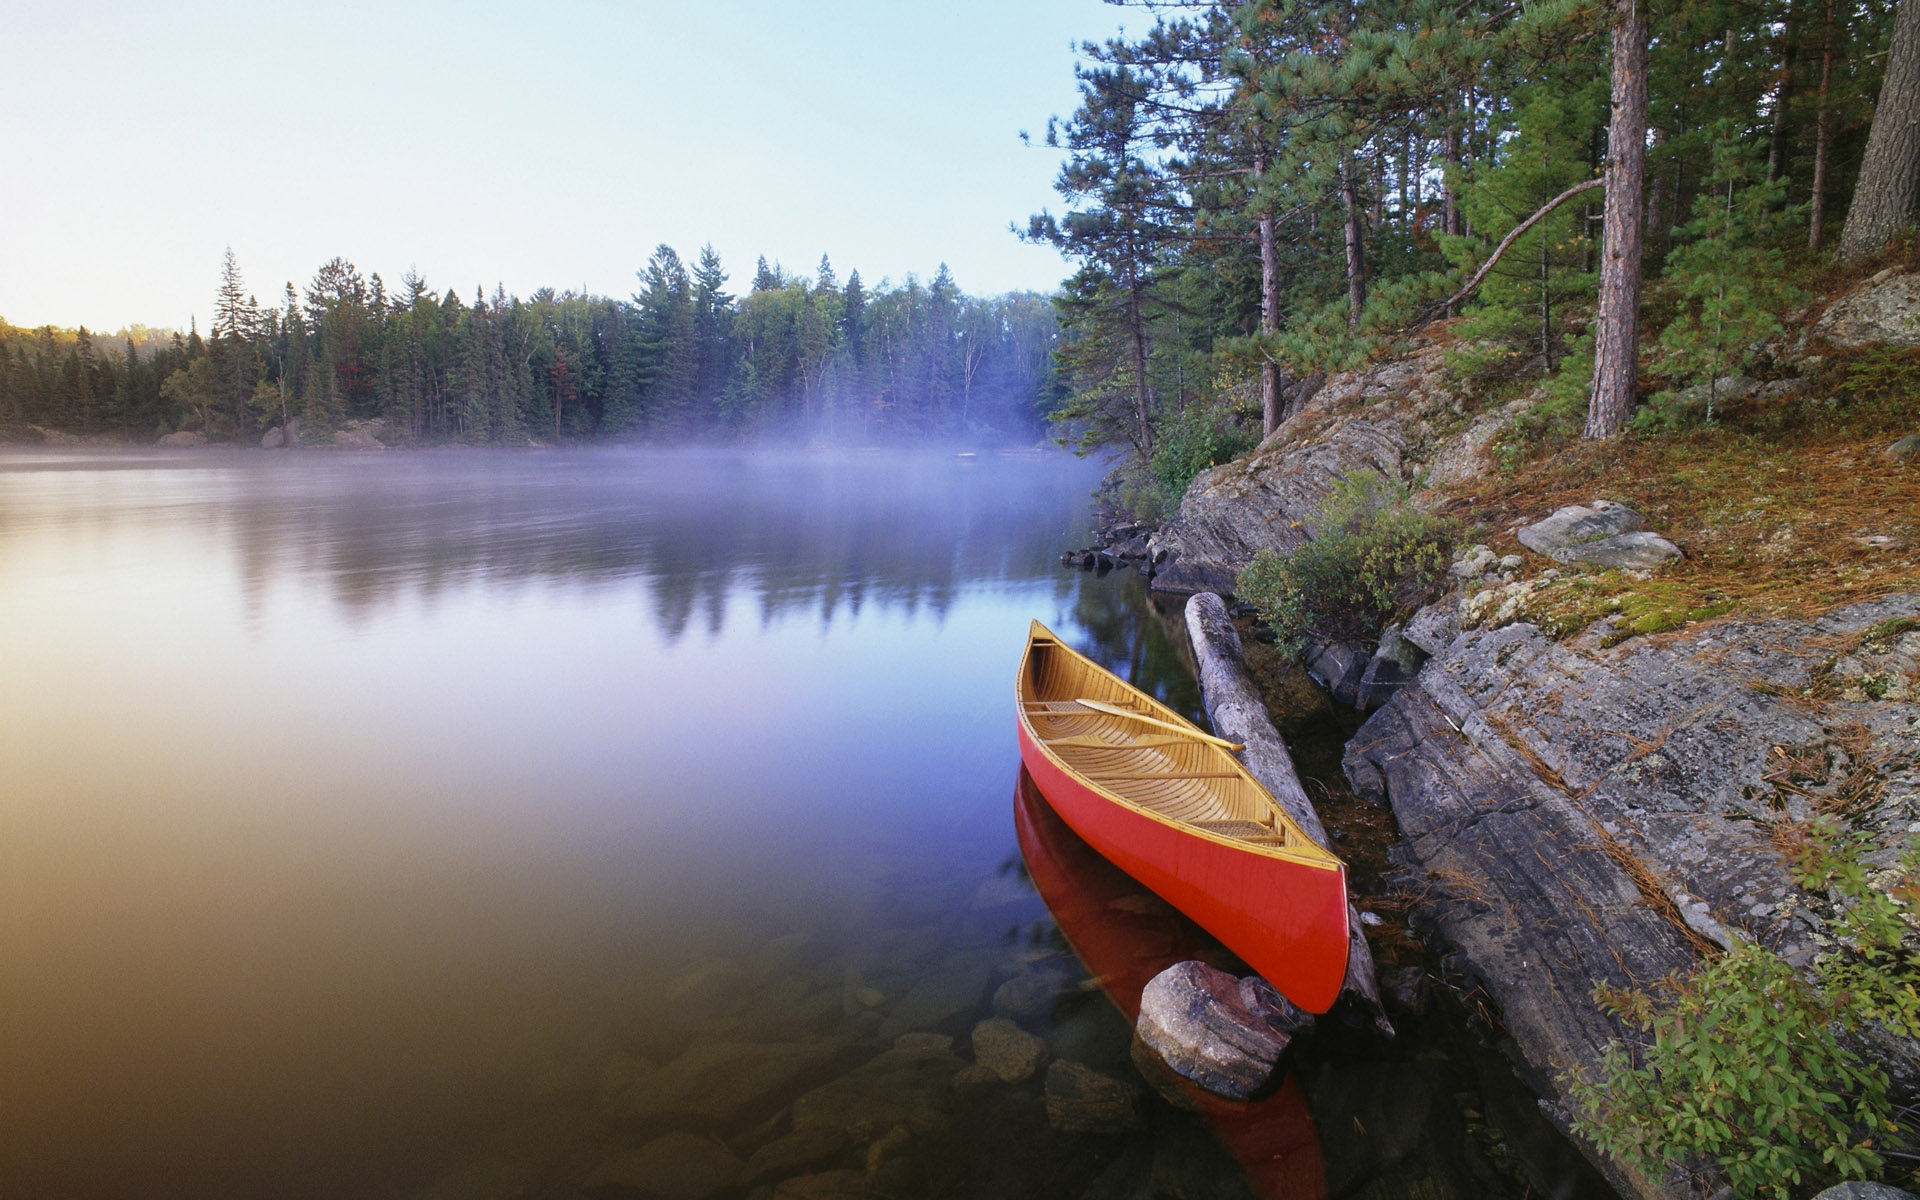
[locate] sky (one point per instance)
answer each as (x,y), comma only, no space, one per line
(527,145)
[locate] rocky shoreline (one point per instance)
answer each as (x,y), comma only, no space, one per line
(1589,808)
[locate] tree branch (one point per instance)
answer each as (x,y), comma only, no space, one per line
(1473,284)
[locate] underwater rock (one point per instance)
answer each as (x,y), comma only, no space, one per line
(1082,1100)
(907,1085)
(724,1081)
(677,1166)
(1007,1050)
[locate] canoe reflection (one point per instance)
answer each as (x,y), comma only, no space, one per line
(1125,936)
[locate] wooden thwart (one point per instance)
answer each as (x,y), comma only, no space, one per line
(1114,710)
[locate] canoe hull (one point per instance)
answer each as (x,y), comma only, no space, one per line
(1287,919)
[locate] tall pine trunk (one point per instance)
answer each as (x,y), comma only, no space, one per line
(1883,200)
(1356,245)
(1822,138)
(1270,384)
(1616,358)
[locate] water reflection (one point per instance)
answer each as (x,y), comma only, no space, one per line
(386,825)
(795,531)
(1126,935)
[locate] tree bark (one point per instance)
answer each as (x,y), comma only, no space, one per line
(1777,140)
(1356,246)
(1883,201)
(1271,391)
(1822,137)
(1616,358)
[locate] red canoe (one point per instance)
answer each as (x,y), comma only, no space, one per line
(1165,802)
(1125,944)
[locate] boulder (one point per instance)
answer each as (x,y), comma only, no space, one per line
(1604,534)
(1636,551)
(1578,814)
(1222,1032)
(1082,1100)
(1576,525)
(183,437)
(273,439)
(677,1166)
(1270,501)
(1903,450)
(359,435)
(1882,313)
(1864,1191)
(1010,1052)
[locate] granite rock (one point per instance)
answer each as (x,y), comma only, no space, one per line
(1222,1032)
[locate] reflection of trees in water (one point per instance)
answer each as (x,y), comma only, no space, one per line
(1141,637)
(794,532)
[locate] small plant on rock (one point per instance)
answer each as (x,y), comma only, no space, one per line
(1747,1061)
(1374,558)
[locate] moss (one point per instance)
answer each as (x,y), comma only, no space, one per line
(1882,636)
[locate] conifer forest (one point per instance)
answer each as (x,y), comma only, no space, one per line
(1252,195)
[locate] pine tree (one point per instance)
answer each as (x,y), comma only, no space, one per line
(1883,200)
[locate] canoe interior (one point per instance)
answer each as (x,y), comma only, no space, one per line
(1192,783)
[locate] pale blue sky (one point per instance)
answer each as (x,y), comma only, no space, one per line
(527,144)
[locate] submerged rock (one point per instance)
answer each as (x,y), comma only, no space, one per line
(828,1185)
(724,1081)
(952,986)
(907,1085)
(1007,1050)
(1082,1100)
(1029,995)
(801,1148)
(677,1166)
(1222,1032)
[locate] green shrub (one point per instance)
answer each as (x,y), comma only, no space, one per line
(1746,1063)
(1186,444)
(1375,558)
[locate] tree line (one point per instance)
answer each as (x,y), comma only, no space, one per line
(1262,192)
(682,359)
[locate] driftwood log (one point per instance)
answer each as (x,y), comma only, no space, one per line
(1239,714)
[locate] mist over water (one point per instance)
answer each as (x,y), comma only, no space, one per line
(360,817)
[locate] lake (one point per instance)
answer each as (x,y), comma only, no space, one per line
(598,825)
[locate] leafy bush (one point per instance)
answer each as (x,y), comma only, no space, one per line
(1186,444)
(1375,558)
(1747,1063)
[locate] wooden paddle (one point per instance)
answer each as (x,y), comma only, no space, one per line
(1114,710)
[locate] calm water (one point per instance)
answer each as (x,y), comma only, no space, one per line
(387,825)
(594,826)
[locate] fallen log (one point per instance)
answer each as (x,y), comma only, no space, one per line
(1238,714)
